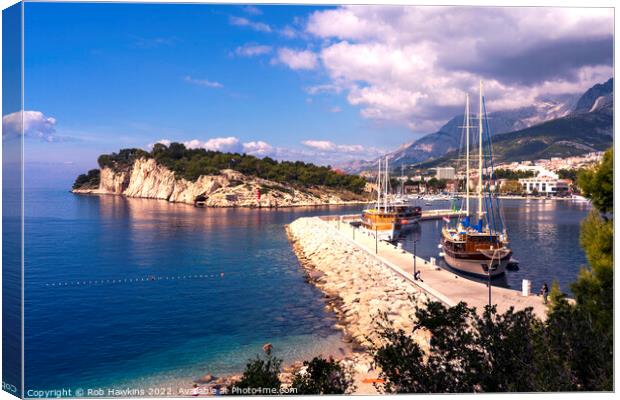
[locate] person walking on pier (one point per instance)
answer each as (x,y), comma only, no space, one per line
(544,291)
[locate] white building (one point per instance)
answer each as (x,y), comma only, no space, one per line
(546,182)
(447,173)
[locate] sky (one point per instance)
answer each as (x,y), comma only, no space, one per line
(320,84)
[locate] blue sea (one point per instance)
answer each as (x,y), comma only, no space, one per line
(124,292)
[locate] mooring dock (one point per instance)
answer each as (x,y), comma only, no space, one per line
(440,284)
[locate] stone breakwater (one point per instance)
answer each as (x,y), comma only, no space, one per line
(148,179)
(357,286)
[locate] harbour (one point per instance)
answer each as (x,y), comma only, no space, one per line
(209,317)
(438,283)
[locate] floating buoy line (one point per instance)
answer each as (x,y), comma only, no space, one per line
(142,279)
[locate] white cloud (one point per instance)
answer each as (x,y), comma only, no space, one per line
(230,144)
(257,26)
(413,65)
(224,144)
(297,59)
(203,82)
(335,109)
(314,151)
(252,50)
(258,148)
(328,146)
(34,123)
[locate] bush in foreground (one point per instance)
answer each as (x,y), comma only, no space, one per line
(323,376)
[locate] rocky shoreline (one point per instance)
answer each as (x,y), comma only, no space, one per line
(357,286)
(148,179)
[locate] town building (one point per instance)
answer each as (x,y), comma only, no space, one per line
(447,173)
(545,183)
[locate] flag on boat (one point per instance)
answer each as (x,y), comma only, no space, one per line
(446,219)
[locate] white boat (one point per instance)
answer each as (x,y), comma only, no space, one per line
(579,199)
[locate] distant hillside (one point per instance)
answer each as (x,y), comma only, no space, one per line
(448,137)
(574,134)
(598,96)
(560,126)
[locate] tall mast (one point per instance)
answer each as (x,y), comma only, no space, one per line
(385,199)
(379,187)
(467,154)
(402,179)
(480,156)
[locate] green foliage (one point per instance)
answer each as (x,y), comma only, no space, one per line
(192,163)
(89,180)
(571,174)
(262,372)
(511,187)
(467,352)
(597,183)
(575,353)
(323,377)
(594,287)
(449,365)
(512,175)
(492,352)
(122,160)
(436,184)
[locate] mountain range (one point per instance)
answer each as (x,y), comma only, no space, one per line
(558,126)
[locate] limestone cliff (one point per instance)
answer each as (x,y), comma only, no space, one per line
(148,179)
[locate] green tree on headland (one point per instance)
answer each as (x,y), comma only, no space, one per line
(192,163)
(89,180)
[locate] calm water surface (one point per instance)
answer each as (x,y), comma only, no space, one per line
(174,324)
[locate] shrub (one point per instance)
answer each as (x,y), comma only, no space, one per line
(89,180)
(322,376)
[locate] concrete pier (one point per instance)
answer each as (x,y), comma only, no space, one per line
(438,283)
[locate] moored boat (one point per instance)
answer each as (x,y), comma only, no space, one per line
(481,248)
(383,221)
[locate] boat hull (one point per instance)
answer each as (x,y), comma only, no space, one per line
(473,264)
(388,235)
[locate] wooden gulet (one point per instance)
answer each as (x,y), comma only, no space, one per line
(479,249)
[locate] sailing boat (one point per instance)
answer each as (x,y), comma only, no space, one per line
(382,221)
(480,248)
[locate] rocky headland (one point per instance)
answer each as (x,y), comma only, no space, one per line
(146,178)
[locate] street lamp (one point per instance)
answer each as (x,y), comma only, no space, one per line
(492,266)
(415,237)
(376,241)
(415,259)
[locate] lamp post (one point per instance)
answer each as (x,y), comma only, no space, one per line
(492,266)
(415,259)
(376,241)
